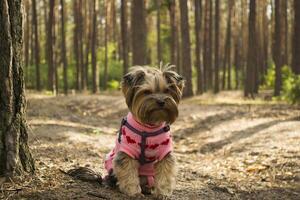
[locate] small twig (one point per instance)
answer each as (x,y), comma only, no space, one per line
(11,190)
(97,195)
(64,172)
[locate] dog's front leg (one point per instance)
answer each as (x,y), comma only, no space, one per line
(165,174)
(126,170)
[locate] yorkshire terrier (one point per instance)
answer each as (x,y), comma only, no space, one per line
(142,160)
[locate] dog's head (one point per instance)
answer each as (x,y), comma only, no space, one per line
(153,95)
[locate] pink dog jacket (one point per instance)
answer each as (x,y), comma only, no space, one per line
(147,144)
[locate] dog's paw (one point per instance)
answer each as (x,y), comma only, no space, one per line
(131,190)
(161,197)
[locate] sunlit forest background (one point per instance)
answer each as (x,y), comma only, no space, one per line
(237,134)
(73,46)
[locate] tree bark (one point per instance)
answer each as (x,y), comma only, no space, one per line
(158,4)
(124,30)
(206,46)
(94,50)
(105,78)
(15,156)
(251,58)
(217,35)
(210,47)
(50,46)
(296,38)
(37,46)
(139,33)
(26,41)
(174,36)
(198,19)
(76,46)
(279,45)
(81,45)
(63,47)
(186,51)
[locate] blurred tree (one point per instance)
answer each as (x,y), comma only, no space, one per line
(158,4)
(186,48)
(217,35)
(227,52)
(124,34)
(63,46)
(106,47)
(296,38)
(50,52)
(139,33)
(174,43)
(36,46)
(26,40)
(15,156)
(198,20)
(94,50)
(206,46)
(249,88)
(76,45)
(279,44)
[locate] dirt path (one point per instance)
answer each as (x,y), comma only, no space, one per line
(227,148)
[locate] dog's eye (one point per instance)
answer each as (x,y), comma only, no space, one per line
(147,92)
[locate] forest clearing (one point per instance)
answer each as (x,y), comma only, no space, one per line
(227,147)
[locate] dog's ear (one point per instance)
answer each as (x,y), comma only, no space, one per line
(133,78)
(174,78)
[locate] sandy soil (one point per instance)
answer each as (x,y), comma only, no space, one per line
(227,147)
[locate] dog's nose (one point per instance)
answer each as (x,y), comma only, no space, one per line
(161,103)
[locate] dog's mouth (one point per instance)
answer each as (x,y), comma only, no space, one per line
(159,115)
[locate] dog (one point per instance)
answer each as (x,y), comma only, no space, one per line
(142,160)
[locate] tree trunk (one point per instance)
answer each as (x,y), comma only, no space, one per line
(279,45)
(198,12)
(50,46)
(296,38)
(139,33)
(15,156)
(251,58)
(45,6)
(80,45)
(76,46)
(158,31)
(266,33)
(105,78)
(285,31)
(63,47)
(174,36)
(26,41)
(206,46)
(227,50)
(210,47)
(124,30)
(217,35)
(94,49)
(186,51)
(37,46)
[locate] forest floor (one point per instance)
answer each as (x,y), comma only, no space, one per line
(227,147)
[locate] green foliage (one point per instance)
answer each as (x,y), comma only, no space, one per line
(290,86)
(115,69)
(269,78)
(113,85)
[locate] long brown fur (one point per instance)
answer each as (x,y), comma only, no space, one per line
(143,89)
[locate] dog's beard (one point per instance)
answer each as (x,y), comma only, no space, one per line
(148,112)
